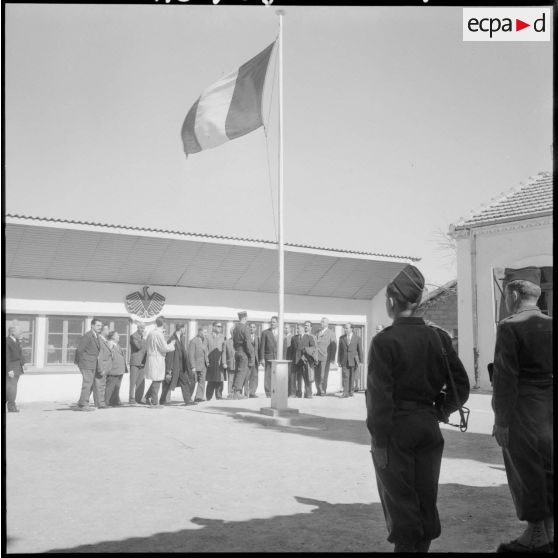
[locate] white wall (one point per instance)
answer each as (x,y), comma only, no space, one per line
(512,245)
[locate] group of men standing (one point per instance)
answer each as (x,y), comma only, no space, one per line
(201,366)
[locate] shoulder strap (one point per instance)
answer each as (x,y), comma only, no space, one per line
(463,411)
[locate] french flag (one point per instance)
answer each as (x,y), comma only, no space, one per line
(228,109)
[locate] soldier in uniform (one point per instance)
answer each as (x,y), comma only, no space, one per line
(406,374)
(244,355)
(523,409)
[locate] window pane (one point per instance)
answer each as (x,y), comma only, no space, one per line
(63,336)
(75,326)
(54,356)
(55,325)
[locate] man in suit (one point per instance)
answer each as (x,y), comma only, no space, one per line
(348,358)
(176,368)
(288,355)
(268,351)
(86,356)
(137,364)
(104,366)
(303,347)
(252,379)
(244,356)
(217,362)
(14,367)
(199,360)
(326,344)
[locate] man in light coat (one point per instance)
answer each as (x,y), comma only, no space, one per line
(157,348)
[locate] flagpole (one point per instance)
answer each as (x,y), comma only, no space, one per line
(280,248)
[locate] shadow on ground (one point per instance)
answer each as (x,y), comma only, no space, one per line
(467,524)
(458,445)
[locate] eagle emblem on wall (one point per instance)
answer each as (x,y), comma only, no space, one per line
(145,305)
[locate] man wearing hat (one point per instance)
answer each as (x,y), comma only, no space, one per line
(406,374)
(523,408)
(243,355)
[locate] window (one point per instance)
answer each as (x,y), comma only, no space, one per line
(122,327)
(26,325)
(63,335)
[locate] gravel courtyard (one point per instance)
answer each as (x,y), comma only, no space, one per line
(221,477)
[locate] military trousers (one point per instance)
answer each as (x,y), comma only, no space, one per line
(408,485)
(241,366)
(529,456)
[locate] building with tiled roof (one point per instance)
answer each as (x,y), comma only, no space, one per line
(513,230)
(527,201)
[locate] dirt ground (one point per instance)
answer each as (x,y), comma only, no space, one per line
(222,477)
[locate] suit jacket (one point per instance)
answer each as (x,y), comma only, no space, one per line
(327,345)
(300,345)
(176,363)
(104,358)
(350,355)
(87,351)
(268,346)
(197,354)
(137,350)
(14,357)
(256,345)
(287,350)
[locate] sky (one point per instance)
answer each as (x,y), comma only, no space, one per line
(394,128)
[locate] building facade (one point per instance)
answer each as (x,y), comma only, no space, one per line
(513,231)
(61,274)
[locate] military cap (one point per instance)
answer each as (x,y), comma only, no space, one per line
(531,274)
(409,282)
(242,314)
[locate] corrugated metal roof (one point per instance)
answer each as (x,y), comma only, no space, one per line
(43,250)
(201,236)
(530,200)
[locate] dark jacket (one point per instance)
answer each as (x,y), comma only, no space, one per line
(242,343)
(256,345)
(104,358)
(87,351)
(327,345)
(349,355)
(138,348)
(522,356)
(299,348)
(268,346)
(176,363)
(14,357)
(405,365)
